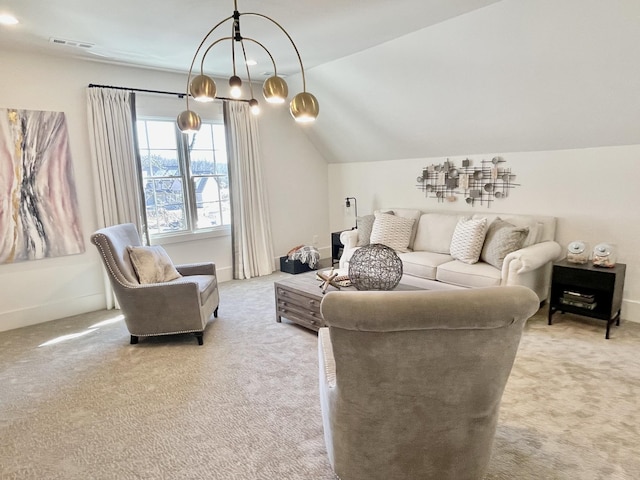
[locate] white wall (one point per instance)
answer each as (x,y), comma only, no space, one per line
(42,290)
(593,193)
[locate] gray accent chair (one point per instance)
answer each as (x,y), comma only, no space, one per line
(183,305)
(411,381)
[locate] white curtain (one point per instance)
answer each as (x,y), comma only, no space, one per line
(251,228)
(113,151)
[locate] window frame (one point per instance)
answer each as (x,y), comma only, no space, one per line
(191,232)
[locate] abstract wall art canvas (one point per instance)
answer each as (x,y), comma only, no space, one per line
(39,214)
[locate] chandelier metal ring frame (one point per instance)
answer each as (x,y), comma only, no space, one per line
(303,107)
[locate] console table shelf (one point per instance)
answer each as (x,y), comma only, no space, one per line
(586,290)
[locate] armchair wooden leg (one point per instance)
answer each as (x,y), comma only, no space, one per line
(199,337)
(134,339)
(215,313)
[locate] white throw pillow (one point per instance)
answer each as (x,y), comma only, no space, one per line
(468,238)
(152,264)
(392,231)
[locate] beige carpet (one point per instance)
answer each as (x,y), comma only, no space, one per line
(245,405)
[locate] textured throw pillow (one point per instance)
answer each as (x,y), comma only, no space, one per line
(392,231)
(152,264)
(365,224)
(502,239)
(468,237)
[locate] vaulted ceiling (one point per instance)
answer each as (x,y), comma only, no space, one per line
(402,79)
(514,76)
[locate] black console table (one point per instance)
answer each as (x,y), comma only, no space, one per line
(586,290)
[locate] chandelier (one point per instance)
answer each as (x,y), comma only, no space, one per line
(303,107)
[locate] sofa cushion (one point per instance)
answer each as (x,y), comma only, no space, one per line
(468,238)
(392,231)
(435,231)
(479,274)
(365,224)
(152,264)
(207,285)
(423,264)
(502,239)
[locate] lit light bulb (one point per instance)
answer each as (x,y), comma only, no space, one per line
(254,106)
(235,83)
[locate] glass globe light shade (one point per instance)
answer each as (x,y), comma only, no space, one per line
(304,107)
(203,88)
(275,89)
(188,122)
(235,83)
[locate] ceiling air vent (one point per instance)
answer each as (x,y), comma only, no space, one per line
(269,74)
(70,43)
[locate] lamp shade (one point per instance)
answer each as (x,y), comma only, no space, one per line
(275,89)
(203,88)
(188,122)
(304,107)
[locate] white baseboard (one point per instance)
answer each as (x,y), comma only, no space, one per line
(630,311)
(224,274)
(51,311)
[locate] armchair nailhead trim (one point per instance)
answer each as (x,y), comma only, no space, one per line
(113,274)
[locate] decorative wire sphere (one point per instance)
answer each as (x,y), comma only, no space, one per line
(375,267)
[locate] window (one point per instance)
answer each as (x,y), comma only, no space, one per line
(185,178)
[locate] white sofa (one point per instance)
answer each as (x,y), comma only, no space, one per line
(428,261)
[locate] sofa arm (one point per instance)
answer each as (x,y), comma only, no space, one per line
(531,258)
(349,238)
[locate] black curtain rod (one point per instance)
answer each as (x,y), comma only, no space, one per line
(161,92)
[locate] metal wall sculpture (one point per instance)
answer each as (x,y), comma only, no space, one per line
(480,184)
(39,214)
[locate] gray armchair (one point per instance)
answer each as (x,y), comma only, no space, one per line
(183,305)
(411,381)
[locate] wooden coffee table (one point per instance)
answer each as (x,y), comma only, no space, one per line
(298,299)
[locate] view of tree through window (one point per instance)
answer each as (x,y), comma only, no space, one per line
(185,178)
